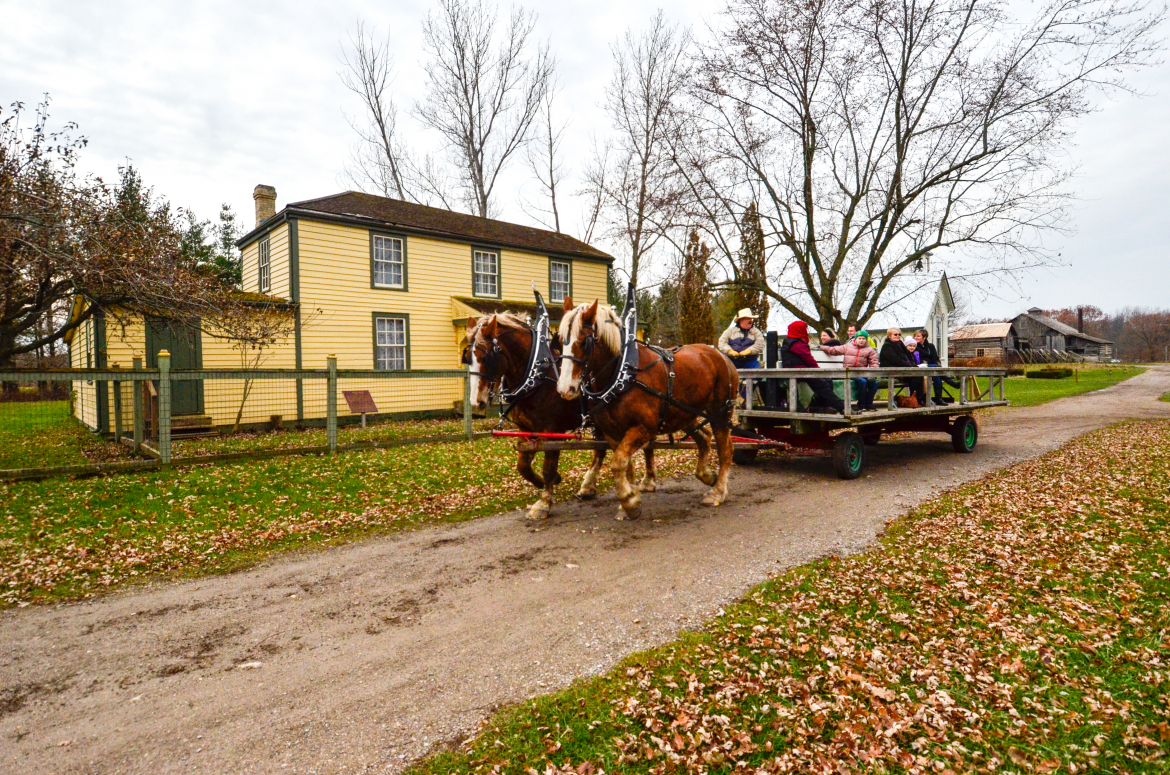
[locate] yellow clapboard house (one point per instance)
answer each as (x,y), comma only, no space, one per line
(381,283)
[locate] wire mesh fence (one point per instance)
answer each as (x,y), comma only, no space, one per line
(90,420)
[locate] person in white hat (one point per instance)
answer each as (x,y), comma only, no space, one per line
(742,341)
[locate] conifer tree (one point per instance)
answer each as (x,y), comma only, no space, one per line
(696,324)
(752,279)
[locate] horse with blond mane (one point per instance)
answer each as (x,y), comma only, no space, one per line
(500,350)
(650,392)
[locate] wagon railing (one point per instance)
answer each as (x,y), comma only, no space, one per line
(972,393)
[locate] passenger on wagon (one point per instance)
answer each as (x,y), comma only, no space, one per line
(931,359)
(795,354)
(742,342)
(894,355)
(829,339)
(852,333)
(858,355)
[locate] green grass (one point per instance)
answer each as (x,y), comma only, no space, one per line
(66,538)
(1022,391)
(1018,624)
(40,434)
(1165,397)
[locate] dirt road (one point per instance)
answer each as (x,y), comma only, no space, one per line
(359,659)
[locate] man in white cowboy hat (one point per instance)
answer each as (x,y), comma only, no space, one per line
(742,341)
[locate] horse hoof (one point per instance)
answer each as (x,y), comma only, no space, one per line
(711,499)
(537,512)
(630,515)
(708,478)
(649,486)
(586,495)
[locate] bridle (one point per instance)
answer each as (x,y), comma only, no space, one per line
(540,359)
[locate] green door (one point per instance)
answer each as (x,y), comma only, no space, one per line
(186,349)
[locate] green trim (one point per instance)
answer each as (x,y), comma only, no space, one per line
(405,261)
(289,213)
(481,248)
(551,261)
(374,336)
(294,290)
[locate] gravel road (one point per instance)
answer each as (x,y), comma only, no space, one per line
(361,658)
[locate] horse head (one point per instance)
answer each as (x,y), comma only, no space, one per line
(494,349)
(589,332)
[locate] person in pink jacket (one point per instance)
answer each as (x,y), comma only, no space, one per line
(858,355)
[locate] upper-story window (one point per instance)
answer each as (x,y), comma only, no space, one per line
(388,256)
(264,265)
(485,273)
(560,280)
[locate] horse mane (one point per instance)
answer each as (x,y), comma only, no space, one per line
(609,326)
(506,319)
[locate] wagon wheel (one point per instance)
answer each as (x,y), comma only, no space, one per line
(743,457)
(964,434)
(848,455)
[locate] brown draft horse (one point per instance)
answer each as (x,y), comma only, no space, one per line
(704,380)
(541,411)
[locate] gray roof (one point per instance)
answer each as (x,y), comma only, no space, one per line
(1061,328)
(982,331)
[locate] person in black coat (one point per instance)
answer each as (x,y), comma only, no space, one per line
(930,358)
(894,355)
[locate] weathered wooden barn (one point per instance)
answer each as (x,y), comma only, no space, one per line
(986,340)
(1039,332)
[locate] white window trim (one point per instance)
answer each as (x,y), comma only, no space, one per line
(374,261)
(552,296)
(496,275)
(405,320)
(264,265)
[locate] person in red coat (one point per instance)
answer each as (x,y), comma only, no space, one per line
(795,354)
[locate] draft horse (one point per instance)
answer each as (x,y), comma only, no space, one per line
(664,394)
(500,349)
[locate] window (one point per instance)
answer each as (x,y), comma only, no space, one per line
(390,353)
(485,273)
(560,280)
(264,265)
(980,352)
(388,255)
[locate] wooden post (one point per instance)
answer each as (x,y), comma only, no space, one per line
(164,407)
(793,396)
(963,388)
(847,392)
(468,429)
(891,405)
(331,404)
(139,410)
(747,393)
(117,408)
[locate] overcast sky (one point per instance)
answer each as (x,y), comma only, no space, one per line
(210,98)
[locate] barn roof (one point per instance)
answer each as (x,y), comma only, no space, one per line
(982,331)
(1062,328)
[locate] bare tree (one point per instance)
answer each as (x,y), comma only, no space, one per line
(378,160)
(873,134)
(637,188)
(544,159)
(483,90)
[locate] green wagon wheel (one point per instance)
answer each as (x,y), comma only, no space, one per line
(965,434)
(848,455)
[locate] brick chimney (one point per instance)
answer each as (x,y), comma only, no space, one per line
(1080,320)
(265,197)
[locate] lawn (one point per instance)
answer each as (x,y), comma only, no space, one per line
(67,538)
(1018,624)
(1022,391)
(38,434)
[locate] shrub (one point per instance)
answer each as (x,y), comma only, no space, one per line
(1050,374)
(1016,371)
(985,362)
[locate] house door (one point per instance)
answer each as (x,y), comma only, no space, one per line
(186,348)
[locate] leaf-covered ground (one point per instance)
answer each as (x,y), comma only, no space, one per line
(42,434)
(65,538)
(1022,391)
(1018,624)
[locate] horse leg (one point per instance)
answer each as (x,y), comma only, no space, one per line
(588,489)
(650,481)
(718,493)
(627,494)
(703,444)
(541,508)
(524,466)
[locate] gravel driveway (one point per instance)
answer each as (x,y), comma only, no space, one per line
(359,659)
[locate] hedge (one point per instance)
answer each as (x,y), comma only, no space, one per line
(1050,374)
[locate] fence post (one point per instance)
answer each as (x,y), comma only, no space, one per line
(139,412)
(331,403)
(467,427)
(164,407)
(117,409)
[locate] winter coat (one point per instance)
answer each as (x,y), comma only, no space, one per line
(734,335)
(794,353)
(864,357)
(929,353)
(894,355)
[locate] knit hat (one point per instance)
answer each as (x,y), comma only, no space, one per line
(798,330)
(862,333)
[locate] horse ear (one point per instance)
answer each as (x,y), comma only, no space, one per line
(490,328)
(590,313)
(472,323)
(568,303)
